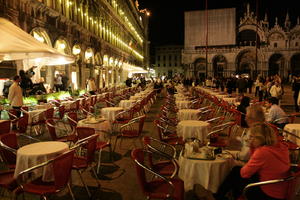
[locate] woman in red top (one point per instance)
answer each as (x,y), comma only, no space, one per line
(270,160)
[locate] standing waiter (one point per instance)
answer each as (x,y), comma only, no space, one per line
(15,95)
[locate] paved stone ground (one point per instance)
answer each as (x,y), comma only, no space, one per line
(120,183)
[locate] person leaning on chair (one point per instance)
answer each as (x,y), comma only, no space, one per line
(15,95)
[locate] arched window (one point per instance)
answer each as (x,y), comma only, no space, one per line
(275,44)
(296,44)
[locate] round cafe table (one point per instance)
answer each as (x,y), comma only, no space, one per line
(37,153)
(127,103)
(295,129)
(110,113)
(183,104)
(43,106)
(193,129)
(136,97)
(230,100)
(35,115)
(68,104)
(188,114)
(98,126)
(208,173)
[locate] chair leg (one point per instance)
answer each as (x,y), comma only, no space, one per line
(71,192)
(99,161)
(97,178)
(115,145)
(86,187)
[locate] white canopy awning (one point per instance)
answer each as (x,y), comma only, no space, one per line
(16,44)
(134,70)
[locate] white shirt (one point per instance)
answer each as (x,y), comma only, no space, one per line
(92,85)
(15,95)
(244,154)
(275,113)
(275,91)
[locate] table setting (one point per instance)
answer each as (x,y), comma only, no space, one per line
(198,162)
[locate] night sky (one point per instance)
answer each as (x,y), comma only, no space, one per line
(167,21)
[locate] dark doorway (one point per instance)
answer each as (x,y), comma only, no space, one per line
(276,65)
(295,64)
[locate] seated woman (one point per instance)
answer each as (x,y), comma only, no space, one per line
(245,102)
(270,160)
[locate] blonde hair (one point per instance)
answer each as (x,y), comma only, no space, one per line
(256,113)
(264,134)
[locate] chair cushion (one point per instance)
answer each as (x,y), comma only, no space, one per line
(102,145)
(79,162)
(39,187)
(160,189)
(7,180)
(130,133)
(164,168)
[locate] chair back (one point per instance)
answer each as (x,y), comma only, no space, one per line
(73,119)
(166,150)
(293,183)
(23,123)
(49,113)
(141,123)
(62,166)
(61,110)
(12,114)
(84,132)
(4,126)
(159,129)
(138,157)
(51,129)
(90,144)
(11,141)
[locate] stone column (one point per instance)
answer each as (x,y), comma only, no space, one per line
(101,78)
(112,77)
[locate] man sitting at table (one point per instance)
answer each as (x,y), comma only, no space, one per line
(276,115)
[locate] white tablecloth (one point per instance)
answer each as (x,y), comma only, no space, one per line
(36,153)
(230,100)
(97,126)
(136,97)
(188,114)
(33,115)
(110,113)
(208,173)
(183,104)
(295,129)
(68,104)
(193,129)
(127,103)
(221,96)
(44,106)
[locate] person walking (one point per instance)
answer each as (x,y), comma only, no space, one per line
(64,79)
(15,95)
(58,83)
(92,86)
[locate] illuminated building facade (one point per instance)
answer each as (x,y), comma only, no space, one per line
(107,37)
(168,60)
(239,46)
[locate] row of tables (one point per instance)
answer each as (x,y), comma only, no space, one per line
(35,153)
(208,173)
